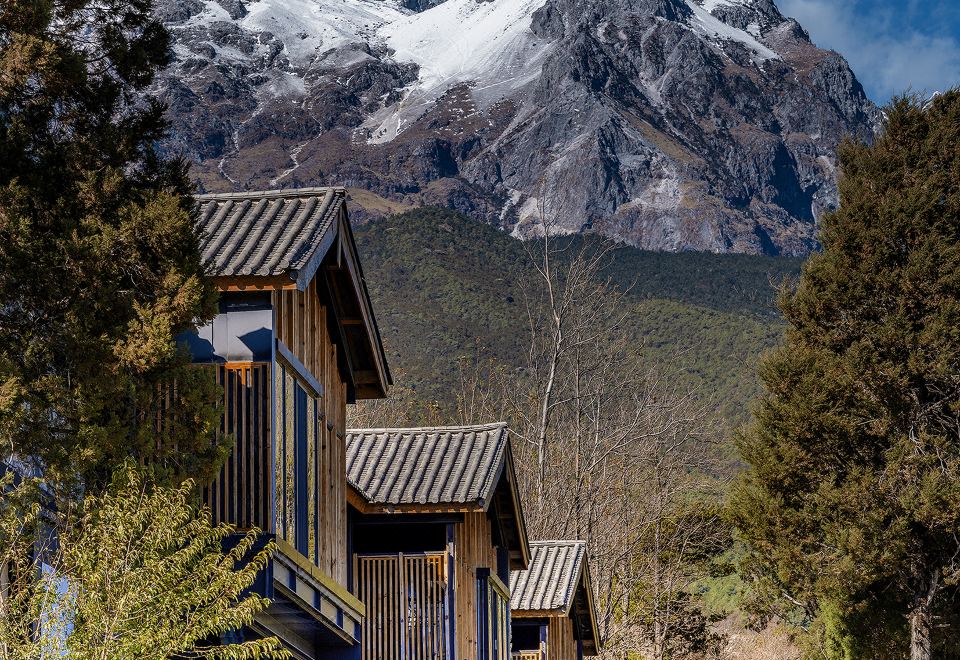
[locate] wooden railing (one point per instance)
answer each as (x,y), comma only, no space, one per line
(527,655)
(406,600)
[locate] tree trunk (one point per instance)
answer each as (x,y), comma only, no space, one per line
(920,626)
(921,621)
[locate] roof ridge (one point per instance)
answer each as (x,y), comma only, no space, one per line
(434,429)
(270,194)
(496,468)
(555,542)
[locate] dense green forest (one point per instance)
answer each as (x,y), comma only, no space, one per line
(445,287)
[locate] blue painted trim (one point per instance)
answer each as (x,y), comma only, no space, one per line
(351,520)
(298,367)
(284,453)
(272,458)
(483,615)
(451,592)
(317,534)
(301,469)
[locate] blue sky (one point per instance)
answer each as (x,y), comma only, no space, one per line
(892,45)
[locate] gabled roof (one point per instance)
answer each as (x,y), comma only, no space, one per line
(442,469)
(557,583)
(551,579)
(279,239)
(269,233)
(447,465)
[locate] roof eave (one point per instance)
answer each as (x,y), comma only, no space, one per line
(365,504)
(584,583)
(517,504)
(226,283)
(538,614)
(384,377)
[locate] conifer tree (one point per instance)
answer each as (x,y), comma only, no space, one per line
(99,255)
(852,498)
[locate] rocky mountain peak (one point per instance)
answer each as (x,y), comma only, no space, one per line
(670,124)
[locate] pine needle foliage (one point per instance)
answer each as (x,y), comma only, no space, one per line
(138,573)
(851,502)
(100,265)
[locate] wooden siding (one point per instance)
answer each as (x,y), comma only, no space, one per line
(406,613)
(300,322)
(240,494)
(561,643)
(473,549)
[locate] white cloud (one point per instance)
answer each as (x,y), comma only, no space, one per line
(887,56)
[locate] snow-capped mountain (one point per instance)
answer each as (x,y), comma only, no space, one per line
(671,124)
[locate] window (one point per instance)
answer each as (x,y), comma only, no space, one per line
(493,617)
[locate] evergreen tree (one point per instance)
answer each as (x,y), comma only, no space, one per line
(852,500)
(99,255)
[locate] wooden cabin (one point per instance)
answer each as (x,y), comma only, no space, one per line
(436,527)
(552,604)
(295,341)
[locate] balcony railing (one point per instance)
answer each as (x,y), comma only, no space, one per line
(406,600)
(527,655)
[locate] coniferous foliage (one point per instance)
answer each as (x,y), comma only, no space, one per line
(852,500)
(99,258)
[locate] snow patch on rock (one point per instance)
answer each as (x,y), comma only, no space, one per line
(488,45)
(309,27)
(708,24)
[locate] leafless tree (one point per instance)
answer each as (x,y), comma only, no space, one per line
(402,408)
(609,450)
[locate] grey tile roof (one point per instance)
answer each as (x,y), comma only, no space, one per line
(269,232)
(550,581)
(445,466)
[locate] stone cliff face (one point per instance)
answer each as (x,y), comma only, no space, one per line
(670,124)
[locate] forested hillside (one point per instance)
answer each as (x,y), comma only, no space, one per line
(446,287)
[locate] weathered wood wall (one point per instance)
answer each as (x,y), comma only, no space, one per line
(473,549)
(300,322)
(240,495)
(561,643)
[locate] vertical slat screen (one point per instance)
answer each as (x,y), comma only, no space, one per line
(239,494)
(405,597)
